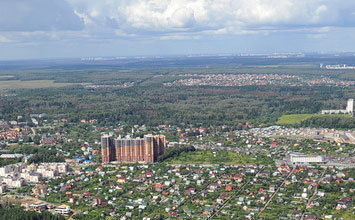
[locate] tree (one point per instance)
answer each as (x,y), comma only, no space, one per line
(36,140)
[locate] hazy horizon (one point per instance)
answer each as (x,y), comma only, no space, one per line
(40,29)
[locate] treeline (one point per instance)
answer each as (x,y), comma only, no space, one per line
(330,122)
(45,157)
(174,152)
(40,154)
(152,104)
(16,213)
(4,162)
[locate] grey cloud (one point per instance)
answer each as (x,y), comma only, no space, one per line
(169,16)
(37,15)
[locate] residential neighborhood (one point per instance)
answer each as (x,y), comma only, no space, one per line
(242,173)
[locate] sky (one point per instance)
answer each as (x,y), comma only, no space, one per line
(31,29)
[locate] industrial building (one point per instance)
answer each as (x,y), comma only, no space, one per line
(349,109)
(298,158)
(145,150)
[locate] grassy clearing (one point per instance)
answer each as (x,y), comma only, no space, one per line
(218,157)
(32,84)
(297,118)
(294,118)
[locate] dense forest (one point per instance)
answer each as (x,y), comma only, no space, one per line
(39,154)
(330,122)
(17,213)
(160,105)
(175,151)
(149,102)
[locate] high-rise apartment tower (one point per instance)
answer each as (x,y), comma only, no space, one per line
(146,149)
(350,106)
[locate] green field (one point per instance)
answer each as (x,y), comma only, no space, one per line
(32,84)
(218,157)
(294,118)
(298,118)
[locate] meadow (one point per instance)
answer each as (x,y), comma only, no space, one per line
(218,157)
(289,119)
(294,118)
(32,84)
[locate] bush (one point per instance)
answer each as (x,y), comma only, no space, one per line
(174,152)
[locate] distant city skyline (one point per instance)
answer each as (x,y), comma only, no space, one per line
(86,28)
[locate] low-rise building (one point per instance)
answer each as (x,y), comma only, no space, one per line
(298,158)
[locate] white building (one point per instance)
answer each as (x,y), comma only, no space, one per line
(11,156)
(350,106)
(16,175)
(296,158)
(9,169)
(349,109)
(31,177)
(13,182)
(63,209)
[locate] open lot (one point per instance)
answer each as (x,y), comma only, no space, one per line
(297,118)
(294,118)
(32,84)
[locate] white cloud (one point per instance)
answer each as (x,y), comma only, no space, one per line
(167,19)
(4,39)
(202,15)
(179,37)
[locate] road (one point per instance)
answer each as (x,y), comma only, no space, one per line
(314,194)
(33,131)
(276,191)
(236,194)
